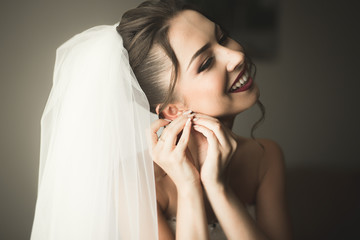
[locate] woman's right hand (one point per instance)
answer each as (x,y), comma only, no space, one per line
(172,156)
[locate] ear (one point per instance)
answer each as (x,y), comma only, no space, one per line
(171,111)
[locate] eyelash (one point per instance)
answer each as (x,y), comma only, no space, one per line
(223,39)
(206,64)
(208,61)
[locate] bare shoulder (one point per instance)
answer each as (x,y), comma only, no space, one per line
(262,151)
(272,210)
(250,164)
(166,195)
(273,157)
(161,193)
(272,148)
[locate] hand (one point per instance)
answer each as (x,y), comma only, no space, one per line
(172,156)
(222,145)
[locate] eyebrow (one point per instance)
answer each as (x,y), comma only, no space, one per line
(202,49)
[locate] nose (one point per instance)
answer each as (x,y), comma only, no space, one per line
(232,58)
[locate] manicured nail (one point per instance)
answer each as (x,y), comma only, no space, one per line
(191,115)
(188,121)
(167,120)
(187,112)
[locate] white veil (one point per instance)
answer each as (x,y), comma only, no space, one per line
(96,178)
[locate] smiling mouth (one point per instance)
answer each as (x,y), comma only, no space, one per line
(242,82)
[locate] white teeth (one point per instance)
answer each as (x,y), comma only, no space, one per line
(241,82)
(244,78)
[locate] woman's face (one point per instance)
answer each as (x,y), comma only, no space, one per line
(212,77)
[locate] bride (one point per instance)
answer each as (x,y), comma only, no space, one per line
(96,178)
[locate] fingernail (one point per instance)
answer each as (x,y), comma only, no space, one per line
(191,115)
(187,112)
(188,121)
(195,119)
(167,120)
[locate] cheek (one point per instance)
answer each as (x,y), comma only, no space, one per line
(205,93)
(210,86)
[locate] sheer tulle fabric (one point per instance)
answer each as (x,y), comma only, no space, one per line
(96,177)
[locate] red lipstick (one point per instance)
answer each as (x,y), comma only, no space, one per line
(246,86)
(237,78)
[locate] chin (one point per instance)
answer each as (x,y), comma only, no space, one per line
(249,102)
(254,96)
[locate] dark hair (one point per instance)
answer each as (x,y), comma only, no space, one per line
(144,30)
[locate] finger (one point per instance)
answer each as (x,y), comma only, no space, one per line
(200,115)
(171,133)
(155,126)
(210,135)
(185,136)
(214,125)
(213,142)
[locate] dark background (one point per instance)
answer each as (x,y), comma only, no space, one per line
(306,53)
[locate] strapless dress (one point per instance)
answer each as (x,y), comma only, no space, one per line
(215,231)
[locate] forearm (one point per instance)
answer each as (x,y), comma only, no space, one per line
(191,220)
(232,214)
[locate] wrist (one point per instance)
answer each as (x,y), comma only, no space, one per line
(213,182)
(189,189)
(215,187)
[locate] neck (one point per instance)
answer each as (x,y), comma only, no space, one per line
(198,143)
(228,121)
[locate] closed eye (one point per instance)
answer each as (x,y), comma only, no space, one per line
(223,38)
(206,64)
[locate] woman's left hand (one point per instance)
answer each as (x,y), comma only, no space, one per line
(222,145)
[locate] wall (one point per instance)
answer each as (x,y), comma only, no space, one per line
(310,91)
